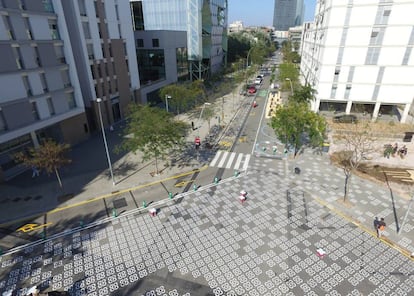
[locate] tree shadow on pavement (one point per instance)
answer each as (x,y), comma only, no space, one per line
(394,210)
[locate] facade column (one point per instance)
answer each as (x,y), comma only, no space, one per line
(34,139)
(376,111)
(315,104)
(348,107)
(405,113)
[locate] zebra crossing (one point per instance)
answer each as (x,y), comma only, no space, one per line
(225,159)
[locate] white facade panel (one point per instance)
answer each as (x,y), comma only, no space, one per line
(367,74)
(324,90)
(402,14)
(398,75)
(391,56)
(360,92)
(363,15)
(3,33)
(358,36)
(42,108)
(398,35)
(40,27)
(337,17)
(8,93)
(396,94)
(330,55)
(333,36)
(354,56)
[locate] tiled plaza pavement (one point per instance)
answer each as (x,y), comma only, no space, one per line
(208,243)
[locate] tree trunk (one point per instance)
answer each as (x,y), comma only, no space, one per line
(58,177)
(347,183)
(156,165)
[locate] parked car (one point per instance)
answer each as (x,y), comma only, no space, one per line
(258,81)
(345,118)
(251,90)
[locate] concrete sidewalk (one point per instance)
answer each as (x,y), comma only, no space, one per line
(88,174)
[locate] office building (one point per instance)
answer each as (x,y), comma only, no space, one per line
(287,14)
(359,56)
(205,24)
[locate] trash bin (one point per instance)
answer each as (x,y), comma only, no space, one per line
(325,147)
(297,170)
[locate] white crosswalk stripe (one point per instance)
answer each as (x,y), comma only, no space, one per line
(228,160)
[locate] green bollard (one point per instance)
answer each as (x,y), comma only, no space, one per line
(1,251)
(43,234)
(81,224)
(144,204)
(264,149)
(215,180)
(236,173)
(195,187)
(170,195)
(114,213)
(274,150)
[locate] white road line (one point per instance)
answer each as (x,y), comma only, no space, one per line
(232,155)
(223,159)
(237,165)
(246,162)
(216,157)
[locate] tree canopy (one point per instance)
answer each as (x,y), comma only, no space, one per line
(294,121)
(303,94)
(152,131)
(49,156)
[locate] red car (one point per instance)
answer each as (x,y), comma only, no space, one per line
(251,90)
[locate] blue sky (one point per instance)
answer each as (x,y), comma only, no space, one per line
(260,12)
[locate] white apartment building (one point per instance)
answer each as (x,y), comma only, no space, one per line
(358,55)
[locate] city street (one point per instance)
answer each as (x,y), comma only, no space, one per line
(290,236)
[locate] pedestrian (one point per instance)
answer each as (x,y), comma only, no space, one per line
(376,222)
(381,227)
(35,172)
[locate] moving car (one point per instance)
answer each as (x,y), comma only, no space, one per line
(345,118)
(251,90)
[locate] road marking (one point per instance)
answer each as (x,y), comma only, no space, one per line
(239,159)
(213,162)
(124,191)
(183,183)
(223,160)
(246,162)
(232,155)
(32,226)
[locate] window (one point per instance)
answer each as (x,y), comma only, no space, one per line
(155,43)
(9,27)
(333,91)
(151,64)
(54,30)
(18,57)
(60,56)
(3,124)
(337,70)
(407,55)
(89,48)
(27,86)
(48,6)
(140,42)
(82,8)
(71,100)
(50,106)
(28,28)
(35,112)
(65,78)
(44,83)
(183,72)
(86,30)
(372,55)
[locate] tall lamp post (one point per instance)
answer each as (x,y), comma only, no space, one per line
(99,100)
(167,97)
(291,87)
(199,119)
(247,62)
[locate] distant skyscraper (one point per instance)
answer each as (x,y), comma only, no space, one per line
(288,13)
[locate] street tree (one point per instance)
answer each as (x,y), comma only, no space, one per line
(356,142)
(288,70)
(177,96)
(208,113)
(152,131)
(303,94)
(294,121)
(49,156)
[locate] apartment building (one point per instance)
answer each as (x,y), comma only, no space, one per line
(359,57)
(57,57)
(40,94)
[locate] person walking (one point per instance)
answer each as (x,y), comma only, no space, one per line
(35,172)
(381,227)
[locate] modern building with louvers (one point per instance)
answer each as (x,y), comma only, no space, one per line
(57,58)
(287,14)
(359,56)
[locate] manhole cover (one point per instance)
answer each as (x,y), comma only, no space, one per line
(120,203)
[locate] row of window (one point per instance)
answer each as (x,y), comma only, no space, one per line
(140,43)
(53,28)
(60,56)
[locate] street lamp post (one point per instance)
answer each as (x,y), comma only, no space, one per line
(99,100)
(167,97)
(199,119)
(291,87)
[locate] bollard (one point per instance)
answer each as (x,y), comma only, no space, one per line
(195,187)
(43,234)
(114,213)
(264,149)
(81,224)
(274,149)
(170,195)
(1,251)
(215,180)
(144,204)
(236,173)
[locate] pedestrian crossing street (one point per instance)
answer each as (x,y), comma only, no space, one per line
(225,159)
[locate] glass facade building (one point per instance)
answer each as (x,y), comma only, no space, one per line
(205,22)
(288,14)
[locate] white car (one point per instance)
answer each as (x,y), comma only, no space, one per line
(258,81)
